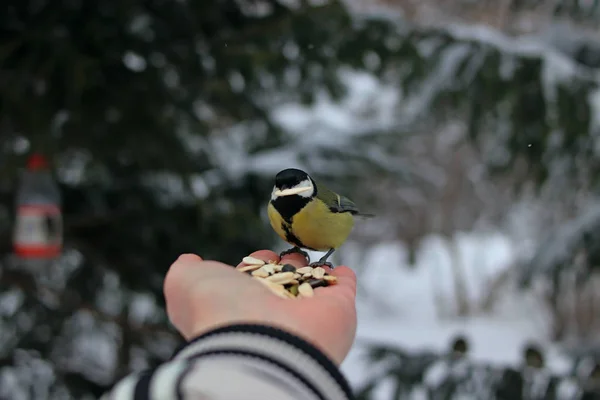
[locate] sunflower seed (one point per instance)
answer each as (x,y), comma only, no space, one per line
(270,269)
(318,273)
(279,290)
(285,280)
(304,270)
(252,261)
(305,290)
(248,268)
(281,277)
(269,283)
(260,273)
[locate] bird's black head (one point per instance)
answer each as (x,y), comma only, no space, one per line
(289,178)
(293,190)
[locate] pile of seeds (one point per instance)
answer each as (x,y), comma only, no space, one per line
(286,280)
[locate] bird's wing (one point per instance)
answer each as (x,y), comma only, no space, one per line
(344,204)
(338,203)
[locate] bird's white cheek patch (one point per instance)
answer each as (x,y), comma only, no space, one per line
(274,193)
(296,190)
(304,189)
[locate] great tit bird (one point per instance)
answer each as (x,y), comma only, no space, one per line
(309,216)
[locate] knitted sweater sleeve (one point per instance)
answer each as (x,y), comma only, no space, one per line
(239,362)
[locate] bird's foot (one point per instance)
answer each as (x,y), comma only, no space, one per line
(321,264)
(295,250)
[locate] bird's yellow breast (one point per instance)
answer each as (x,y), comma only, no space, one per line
(314,226)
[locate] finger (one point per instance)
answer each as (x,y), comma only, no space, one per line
(265,255)
(188,258)
(295,259)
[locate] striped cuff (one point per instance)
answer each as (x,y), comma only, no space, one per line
(288,351)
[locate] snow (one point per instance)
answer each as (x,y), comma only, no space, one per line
(10,302)
(142,308)
(31,378)
(134,61)
(443,76)
(369,105)
(372,104)
(563,242)
(89,347)
(405,312)
(532,45)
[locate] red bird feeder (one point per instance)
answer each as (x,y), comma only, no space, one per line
(38,231)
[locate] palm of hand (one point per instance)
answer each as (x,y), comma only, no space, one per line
(203,295)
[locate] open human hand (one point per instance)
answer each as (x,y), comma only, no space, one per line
(204,295)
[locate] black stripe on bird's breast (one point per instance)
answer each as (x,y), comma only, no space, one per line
(290,237)
(293,239)
(289,206)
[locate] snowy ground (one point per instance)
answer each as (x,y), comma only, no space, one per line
(397,304)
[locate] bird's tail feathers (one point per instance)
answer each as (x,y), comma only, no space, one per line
(365,215)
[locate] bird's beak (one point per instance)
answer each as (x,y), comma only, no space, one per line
(289,192)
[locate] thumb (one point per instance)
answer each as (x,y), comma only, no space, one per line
(178,272)
(188,257)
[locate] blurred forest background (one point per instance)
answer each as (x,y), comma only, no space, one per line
(165,122)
